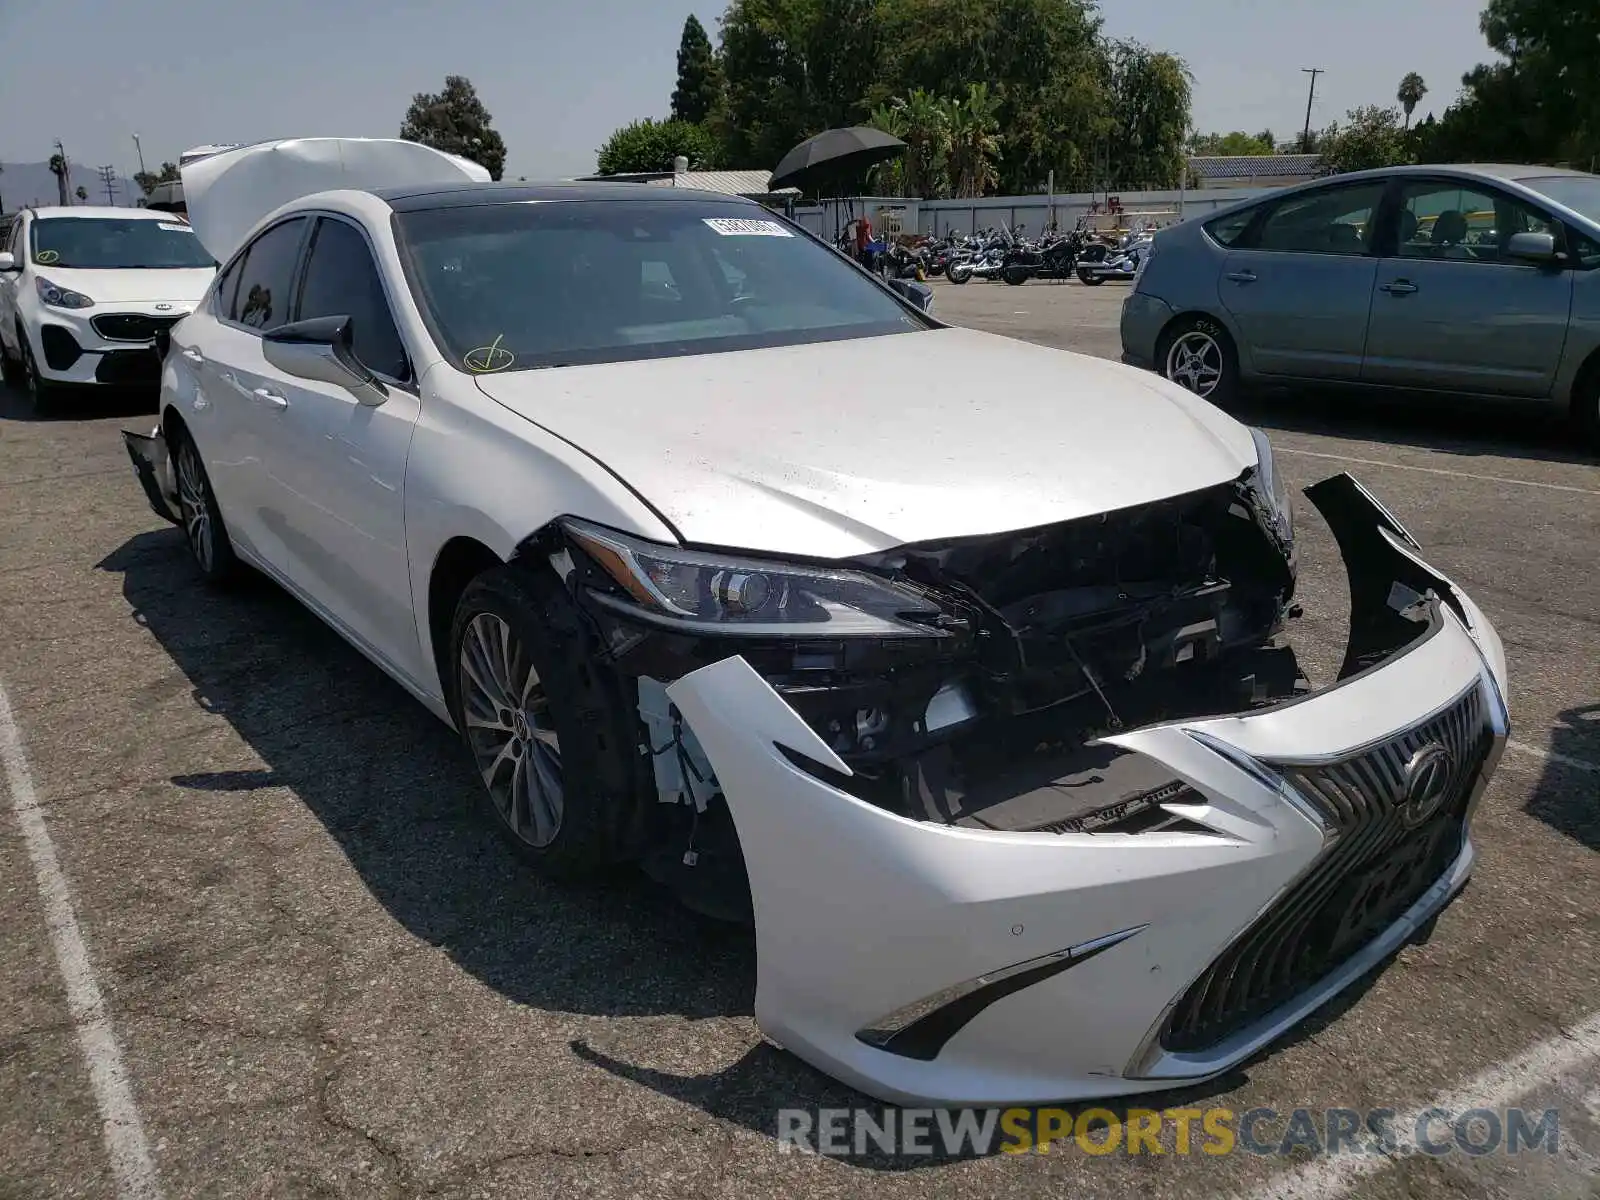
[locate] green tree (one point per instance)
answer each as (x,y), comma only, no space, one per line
(147,180)
(1235,143)
(1372,136)
(1410,94)
(81,193)
(651,145)
(974,127)
(1150,94)
(456,122)
(699,89)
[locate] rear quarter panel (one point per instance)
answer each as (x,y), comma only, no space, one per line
(1183,273)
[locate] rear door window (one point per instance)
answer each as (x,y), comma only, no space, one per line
(1336,220)
(262,299)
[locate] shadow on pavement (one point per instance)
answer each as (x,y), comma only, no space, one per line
(1469,428)
(1567,796)
(80,404)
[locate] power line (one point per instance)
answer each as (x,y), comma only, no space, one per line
(108,180)
(1305,138)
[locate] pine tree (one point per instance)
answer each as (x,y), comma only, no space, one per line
(699,78)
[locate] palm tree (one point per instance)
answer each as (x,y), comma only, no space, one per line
(58,168)
(927,139)
(1410,94)
(889,178)
(974,141)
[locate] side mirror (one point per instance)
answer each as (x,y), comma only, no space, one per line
(1537,248)
(919,294)
(320,349)
(8,262)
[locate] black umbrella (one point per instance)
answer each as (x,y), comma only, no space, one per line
(834,153)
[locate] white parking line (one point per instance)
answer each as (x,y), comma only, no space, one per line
(1555,756)
(131,1166)
(1497,1087)
(1378,462)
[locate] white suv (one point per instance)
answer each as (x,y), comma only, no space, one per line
(83,292)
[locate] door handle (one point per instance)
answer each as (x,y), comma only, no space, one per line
(193,355)
(272,399)
(1242,276)
(1400,287)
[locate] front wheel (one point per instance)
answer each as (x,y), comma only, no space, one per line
(1586,407)
(1089,278)
(1017,276)
(41,392)
(547,730)
(1197,354)
(200,517)
(959,272)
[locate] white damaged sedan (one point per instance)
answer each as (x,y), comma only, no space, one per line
(955,663)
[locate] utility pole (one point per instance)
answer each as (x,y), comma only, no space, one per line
(140,149)
(108,180)
(1305,138)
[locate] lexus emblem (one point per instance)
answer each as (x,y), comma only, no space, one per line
(1427,784)
(163,308)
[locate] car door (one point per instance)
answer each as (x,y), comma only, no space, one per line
(1452,310)
(1298,282)
(339,464)
(235,427)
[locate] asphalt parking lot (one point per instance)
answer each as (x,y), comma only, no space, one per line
(318,973)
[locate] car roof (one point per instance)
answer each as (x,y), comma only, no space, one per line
(467,193)
(101,210)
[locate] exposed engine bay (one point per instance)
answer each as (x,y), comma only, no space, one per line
(1050,639)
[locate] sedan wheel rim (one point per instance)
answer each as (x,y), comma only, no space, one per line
(1195,362)
(509,726)
(192,506)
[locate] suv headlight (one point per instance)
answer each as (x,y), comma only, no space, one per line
(702,592)
(60,297)
(1271,492)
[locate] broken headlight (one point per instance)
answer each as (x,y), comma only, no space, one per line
(706,592)
(1271,493)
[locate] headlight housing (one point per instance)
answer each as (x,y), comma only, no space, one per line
(60,297)
(704,592)
(1272,494)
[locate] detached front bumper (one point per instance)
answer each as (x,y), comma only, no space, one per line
(934,964)
(153,467)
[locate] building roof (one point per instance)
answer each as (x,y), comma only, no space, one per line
(1254,166)
(725,183)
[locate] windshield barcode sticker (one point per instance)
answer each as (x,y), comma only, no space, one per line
(746,227)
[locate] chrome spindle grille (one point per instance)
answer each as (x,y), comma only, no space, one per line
(1378,862)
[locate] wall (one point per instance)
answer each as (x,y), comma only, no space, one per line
(937,217)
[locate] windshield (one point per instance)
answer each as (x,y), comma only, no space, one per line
(1578,192)
(514,286)
(89,243)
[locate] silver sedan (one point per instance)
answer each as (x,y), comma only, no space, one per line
(1480,280)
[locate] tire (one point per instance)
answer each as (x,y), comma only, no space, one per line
(1017,276)
(1198,355)
(1586,407)
(557,761)
(10,368)
(41,392)
(1088,278)
(959,273)
(199,517)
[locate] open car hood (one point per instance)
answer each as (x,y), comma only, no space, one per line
(229,192)
(835,449)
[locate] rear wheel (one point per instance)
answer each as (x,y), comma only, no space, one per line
(1016,276)
(959,272)
(549,733)
(1197,354)
(1088,278)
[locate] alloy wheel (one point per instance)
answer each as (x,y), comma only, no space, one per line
(194,506)
(1195,362)
(508,724)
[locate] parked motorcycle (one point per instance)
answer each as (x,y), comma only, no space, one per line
(1120,264)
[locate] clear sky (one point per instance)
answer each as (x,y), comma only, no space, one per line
(559,76)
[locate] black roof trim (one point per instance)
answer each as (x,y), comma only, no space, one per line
(461,195)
